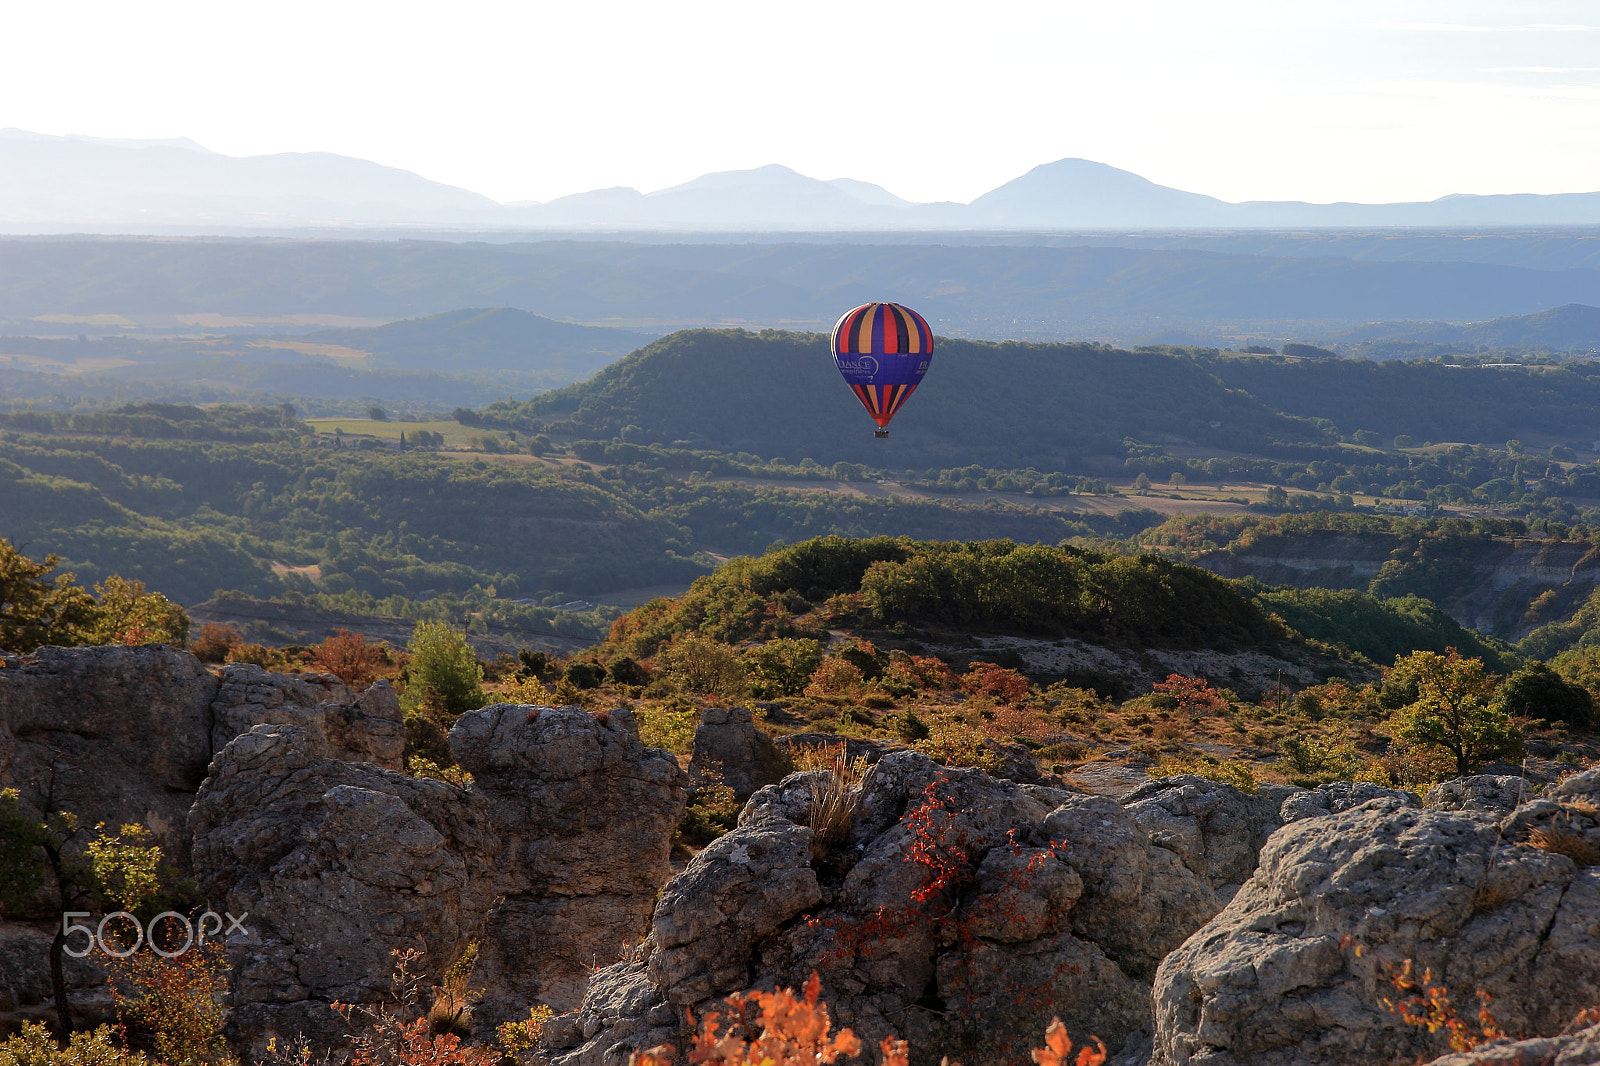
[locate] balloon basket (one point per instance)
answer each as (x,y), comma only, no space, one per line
(880,432)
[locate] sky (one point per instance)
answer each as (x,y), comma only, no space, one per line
(934,100)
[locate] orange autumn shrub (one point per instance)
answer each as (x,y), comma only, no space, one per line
(995,682)
(350,658)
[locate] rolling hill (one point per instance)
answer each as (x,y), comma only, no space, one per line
(489,339)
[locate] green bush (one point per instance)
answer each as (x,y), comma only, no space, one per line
(781,667)
(444,675)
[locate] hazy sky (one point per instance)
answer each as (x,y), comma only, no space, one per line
(1285,99)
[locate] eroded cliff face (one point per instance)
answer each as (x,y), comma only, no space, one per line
(1486,583)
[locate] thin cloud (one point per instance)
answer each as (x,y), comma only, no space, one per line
(1461,27)
(1539,70)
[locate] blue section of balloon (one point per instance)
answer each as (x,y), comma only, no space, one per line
(881,369)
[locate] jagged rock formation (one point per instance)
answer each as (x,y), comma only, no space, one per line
(1027,901)
(1339,796)
(729,748)
(1214,828)
(113,734)
(337,865)
(358,728)
(124,734)
(1271,982)
(1484,792)
(585,814)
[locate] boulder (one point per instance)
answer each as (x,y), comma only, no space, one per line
(1276,980)
(114,734)
(1339,796)
(586,814)
(1581,1048)
(729,749)
(1484,792)
(960,912)
(358,728)
(1214,828)
(332,866)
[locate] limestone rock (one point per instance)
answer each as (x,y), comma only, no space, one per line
(729,747)
(622,1013)
(960,912)
(336,865)
(1339,796)
(1584,785)
(1576,1049)
(1214,828)
(586,814)
(114,734)
(1485,792)
(364,728)
(1269,982)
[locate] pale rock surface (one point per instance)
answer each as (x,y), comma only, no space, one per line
(1491,793)
(1216,829)
(1581,1048)
(1061,906)
(337,865)
(728,747)
(1271,981)
(586,815)
(358,728)
(1339,796)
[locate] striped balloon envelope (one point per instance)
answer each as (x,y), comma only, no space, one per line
(882,350)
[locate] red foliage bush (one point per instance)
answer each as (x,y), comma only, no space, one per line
(1194,694)
(350,658)
(996,682)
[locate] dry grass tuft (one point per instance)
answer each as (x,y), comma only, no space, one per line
(1565,842)
(1491,897)
(835,800)
(1584,806)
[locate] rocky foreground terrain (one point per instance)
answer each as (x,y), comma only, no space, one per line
(1181,920)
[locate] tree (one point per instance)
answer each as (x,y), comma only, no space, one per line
(702,666)
(1537,691)
(34,852)
(349,657)
(36,610)
(129,614)
(377,414)
(782,666)
(444,674)
(1454,711)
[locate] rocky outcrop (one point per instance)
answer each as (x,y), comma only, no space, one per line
(729,749)
(1272,981)
(585,814)
(960,912)
(1214,828)
(332,866)
(358,728)
(1485,792)
(1339,796)
(124,734)
(113,734)
(1581,1048)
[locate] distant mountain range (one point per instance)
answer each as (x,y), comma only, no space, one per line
(1568,328)
(54,183)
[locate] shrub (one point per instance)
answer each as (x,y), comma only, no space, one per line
(781,667)
(215,642)
(702,666)
(955,743)
(584,675)
(350,658)
(179,1003)
(838,678)
(994,682)
(627,671)
(260,655)
(668,725)
(129,614)
(35,609)
(1229,772)
(398,1032)
(1537,691)
(34,1046)
(443,675)
(1194,695)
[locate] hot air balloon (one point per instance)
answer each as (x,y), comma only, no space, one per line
(882,350)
